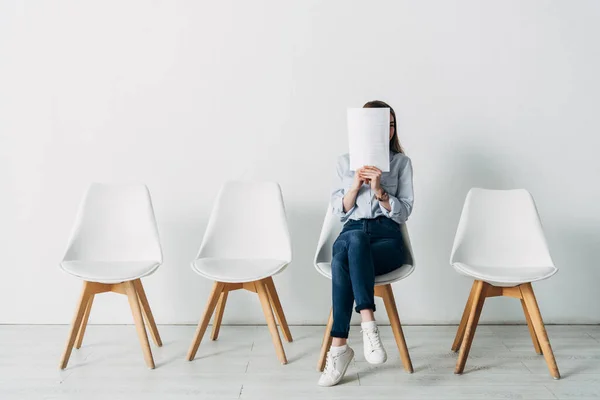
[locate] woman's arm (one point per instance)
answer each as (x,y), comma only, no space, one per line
(385,201)
(399,207)
(349,199)
(373,176)
(343,201)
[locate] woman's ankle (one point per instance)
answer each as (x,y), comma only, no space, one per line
(367,315)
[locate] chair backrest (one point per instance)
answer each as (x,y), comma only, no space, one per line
(500,228)
(332,226)
(248,221)
(115,222)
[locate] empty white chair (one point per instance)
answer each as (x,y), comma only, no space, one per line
(500,243)
(383,285)
(113,245)
(246,242)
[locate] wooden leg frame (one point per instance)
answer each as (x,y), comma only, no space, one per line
(269,300)
(466,330)
(386,293)
(138,303)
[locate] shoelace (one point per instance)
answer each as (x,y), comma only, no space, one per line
(330,362)
(374,339)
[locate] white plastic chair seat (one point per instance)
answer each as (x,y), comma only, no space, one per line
(506,277)
(404,271)
(109,271)
(237,270)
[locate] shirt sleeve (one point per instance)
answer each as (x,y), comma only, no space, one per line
(402,204)
(337,197)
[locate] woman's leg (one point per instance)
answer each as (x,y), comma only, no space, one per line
(353,278)
(341,291)
(339,355)
(361,271)
(387,255)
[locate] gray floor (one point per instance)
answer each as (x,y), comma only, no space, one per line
(242,364)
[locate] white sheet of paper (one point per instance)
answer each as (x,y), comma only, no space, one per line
(369,138)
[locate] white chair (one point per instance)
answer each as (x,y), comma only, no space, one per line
(500,243)
(383,285)
(246,242)
(113,245)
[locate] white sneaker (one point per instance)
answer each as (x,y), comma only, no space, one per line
(335,367)
(374,351)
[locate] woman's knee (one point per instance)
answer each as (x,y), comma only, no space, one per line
(356,238)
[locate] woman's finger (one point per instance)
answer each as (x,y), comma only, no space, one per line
(375,169)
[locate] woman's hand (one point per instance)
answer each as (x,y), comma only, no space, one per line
(358,181)
(349,199)
(372,176)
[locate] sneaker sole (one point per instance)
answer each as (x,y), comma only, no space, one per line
(377,363)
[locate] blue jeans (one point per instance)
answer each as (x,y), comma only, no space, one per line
(363,250)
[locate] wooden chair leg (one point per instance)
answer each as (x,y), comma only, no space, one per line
(276,304)
(208,311)
(132,296)
(139,288)
(76,324)
(534,339)
(540,330)
(261,289)
(84,322)
(392,311)
(460,333)
(327,339)
(476,307)
(219,315)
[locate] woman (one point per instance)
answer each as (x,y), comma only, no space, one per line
(372,204)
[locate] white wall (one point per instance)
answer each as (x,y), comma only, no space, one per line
(184,95)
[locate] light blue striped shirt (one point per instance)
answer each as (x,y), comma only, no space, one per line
(398,183)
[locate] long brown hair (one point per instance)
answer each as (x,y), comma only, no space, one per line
(395,145)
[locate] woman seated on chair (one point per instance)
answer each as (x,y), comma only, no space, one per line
(372,204)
